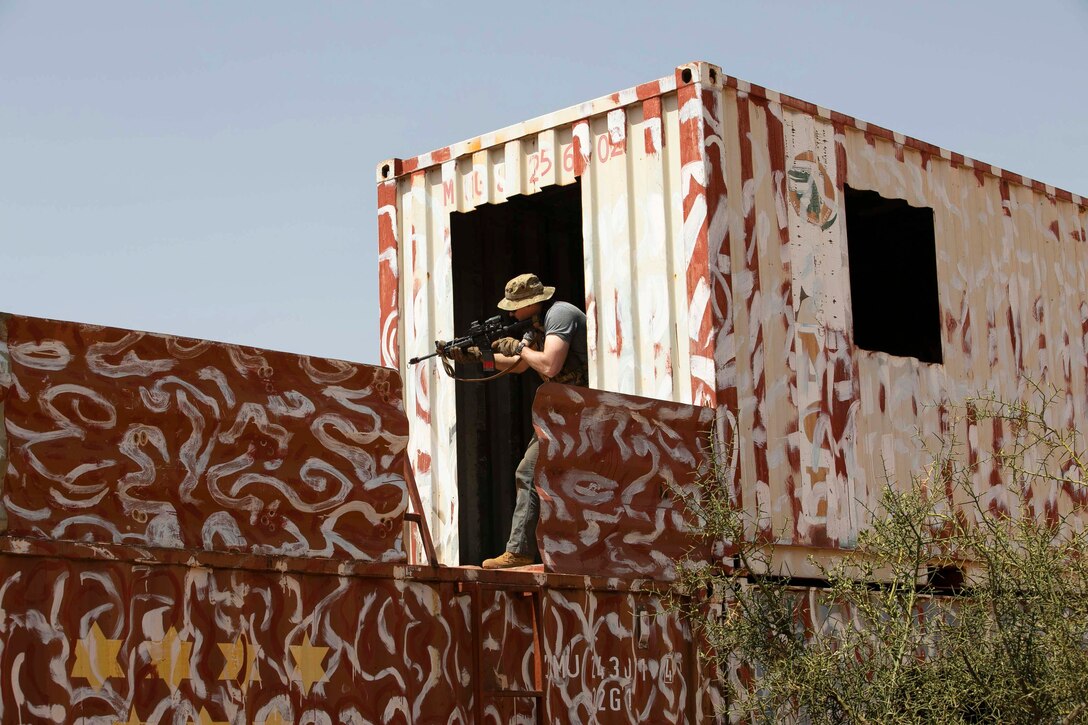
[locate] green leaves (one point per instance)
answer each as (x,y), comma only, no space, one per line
(964,601)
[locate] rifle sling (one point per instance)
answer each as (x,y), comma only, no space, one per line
(450,372)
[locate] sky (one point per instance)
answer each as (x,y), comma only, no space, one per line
(207,168)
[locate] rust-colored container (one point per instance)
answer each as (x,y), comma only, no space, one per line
(121,634)
(716,234)
(205,533)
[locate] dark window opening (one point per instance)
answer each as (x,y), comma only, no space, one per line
(893,276)
(541,233)
(947,580)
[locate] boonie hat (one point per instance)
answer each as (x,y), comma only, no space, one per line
(524,290)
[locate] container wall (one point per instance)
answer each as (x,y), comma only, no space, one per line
(114,642)
(823,424)
(715,277)
(122,437)
(106,633)
(626,151)
(1012,266)
(614,474)
(616,658)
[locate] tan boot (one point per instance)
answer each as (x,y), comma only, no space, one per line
(508,560)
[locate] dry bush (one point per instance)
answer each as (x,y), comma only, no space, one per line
(947,610)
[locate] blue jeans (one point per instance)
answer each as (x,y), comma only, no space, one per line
(527,509)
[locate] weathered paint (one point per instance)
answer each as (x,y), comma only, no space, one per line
(120,642)
(172,556)
(715,276)
(388,273)
(116,634)
(110,618)
(612,474)
(123,437)
(638,342)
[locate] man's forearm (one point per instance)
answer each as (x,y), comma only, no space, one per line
(538,361)
(547,362)
(502,362)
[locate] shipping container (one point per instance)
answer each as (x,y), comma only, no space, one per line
(197,532)
(828,287)
(202,532)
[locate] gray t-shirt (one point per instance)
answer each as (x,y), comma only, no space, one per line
(569,324)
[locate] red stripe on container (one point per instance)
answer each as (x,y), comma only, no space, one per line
(760,474)
(651,111)
(580,130)
(388,274)
(693,165)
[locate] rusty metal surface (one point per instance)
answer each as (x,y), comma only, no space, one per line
(92,636)
(625,149)
(117,643)
(123,437)
(110,617)
(508,655)
(607,466)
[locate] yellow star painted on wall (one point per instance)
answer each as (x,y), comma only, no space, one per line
(308,663)
(203,718)
(238,654)
(275,718)
(170,656)
(96,658)
(132,719)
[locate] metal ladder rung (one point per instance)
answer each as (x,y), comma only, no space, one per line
(416,516)
(534,593)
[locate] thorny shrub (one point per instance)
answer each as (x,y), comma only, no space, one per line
(963,601)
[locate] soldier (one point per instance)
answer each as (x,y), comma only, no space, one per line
(556,350)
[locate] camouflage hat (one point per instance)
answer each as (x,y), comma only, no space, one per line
(524,290)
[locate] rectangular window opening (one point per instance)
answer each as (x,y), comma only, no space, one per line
(893,276)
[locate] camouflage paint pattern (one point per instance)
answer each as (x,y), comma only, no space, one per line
(736,293)
(202,612)
(123,437)
(116,634)
(612,472)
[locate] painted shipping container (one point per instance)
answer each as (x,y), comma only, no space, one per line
(827,286)
(202,532)
(197,532)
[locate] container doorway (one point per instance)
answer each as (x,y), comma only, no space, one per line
(541,233)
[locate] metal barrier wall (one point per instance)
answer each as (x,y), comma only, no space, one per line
(211,534)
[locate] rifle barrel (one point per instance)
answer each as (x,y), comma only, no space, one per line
(415,360)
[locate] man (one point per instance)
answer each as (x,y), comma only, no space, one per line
(561,357)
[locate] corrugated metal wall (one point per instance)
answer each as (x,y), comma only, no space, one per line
(712,279)
(822,423)
(115,634)
(203,532)
(628,161)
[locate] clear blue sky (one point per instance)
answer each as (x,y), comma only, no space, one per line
(207,168)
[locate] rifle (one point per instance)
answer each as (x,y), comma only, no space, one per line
(481,334)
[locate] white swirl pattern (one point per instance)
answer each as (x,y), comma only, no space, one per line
(120,436)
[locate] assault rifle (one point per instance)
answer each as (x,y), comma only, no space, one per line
(481,334)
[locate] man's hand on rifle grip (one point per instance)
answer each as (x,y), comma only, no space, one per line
(458,355)
(507,346)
